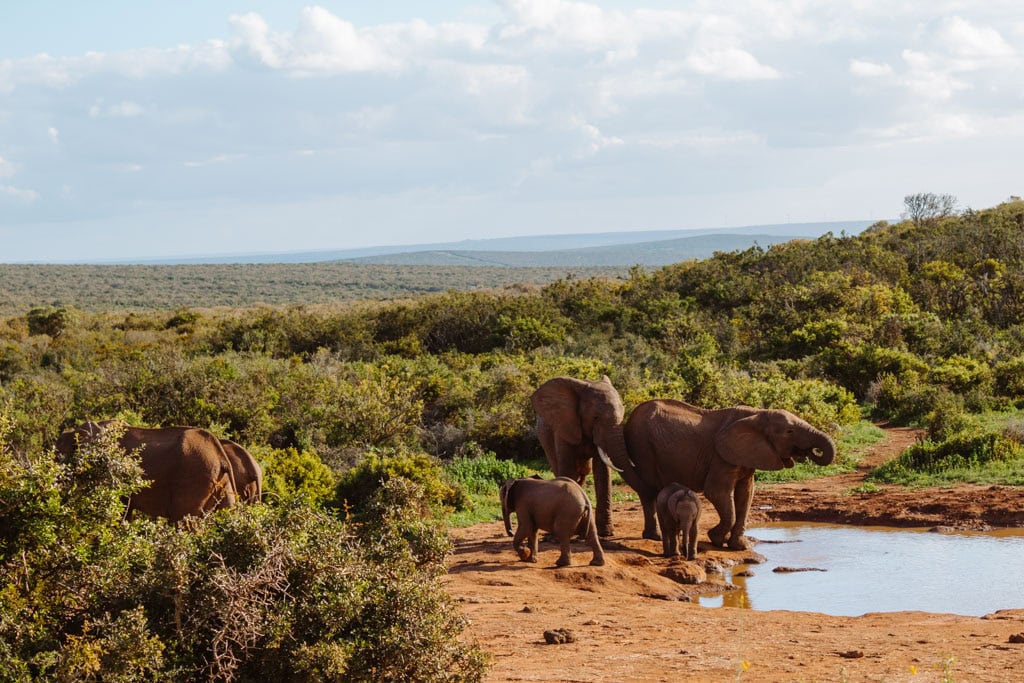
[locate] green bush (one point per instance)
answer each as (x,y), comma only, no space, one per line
(290,474)
(969,454)
(254,593)
(360,484)
(483,472)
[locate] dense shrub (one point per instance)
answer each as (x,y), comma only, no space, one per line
(963,455)
(284,592)
(360,483)
(289,474)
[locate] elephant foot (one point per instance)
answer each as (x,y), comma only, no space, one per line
(597,562)
(563,562)
(652,535)
(606,532)
(523,554)
(739,543)
(717,540)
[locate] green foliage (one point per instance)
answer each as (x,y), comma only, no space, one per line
(283,592)
(49,321)
(971,454)
(361,483)
(290,474)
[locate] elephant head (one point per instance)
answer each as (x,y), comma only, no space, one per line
(577,420)
(773,440)
(581,412)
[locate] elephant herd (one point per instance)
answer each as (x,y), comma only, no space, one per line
(190,471)
(665,451)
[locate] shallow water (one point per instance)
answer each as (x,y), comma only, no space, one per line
(880,570)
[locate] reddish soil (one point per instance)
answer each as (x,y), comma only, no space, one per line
(633,623)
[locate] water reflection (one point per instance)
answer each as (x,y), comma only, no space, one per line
(880,570)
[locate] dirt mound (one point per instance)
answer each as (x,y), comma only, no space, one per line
(635,618)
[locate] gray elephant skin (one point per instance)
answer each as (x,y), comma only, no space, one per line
(716,452)
(246,470)
(188,470)
(679,515)
(557,505)
(579,424)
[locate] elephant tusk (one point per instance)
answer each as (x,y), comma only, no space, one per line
(606,459)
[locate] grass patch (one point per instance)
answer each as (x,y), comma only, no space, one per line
(852,443)
(975,455)
(480,475)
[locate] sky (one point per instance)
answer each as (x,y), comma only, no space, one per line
(155,128)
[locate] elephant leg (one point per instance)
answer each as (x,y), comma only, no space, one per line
(603,488)
(743,495)
(650,523)
(594,542)
(719,490)
(691,542)
(519,542)
(565,532)
(533,545)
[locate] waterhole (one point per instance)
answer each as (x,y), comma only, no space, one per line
(879,570)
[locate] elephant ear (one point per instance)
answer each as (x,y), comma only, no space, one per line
(743,443)
(557,404)
(508,496)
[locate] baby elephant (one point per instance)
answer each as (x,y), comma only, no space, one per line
(678,513)
(556,505)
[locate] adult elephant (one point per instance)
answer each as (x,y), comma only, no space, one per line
(714,451)
(247,472)
(576,421)
(188,470)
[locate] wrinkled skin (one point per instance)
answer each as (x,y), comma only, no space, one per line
(714,451)
(557,505)
(188,470)
(247,472)
(678,514)
(576,419)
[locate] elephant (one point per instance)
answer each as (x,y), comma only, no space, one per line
(714,451)
(247,472)
(557,505)
(188,470)
(678,514)
(576,420)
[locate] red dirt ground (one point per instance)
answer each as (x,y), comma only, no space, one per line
(631,623)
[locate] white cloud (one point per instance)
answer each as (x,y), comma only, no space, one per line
(731,64)
(126,109)
(7,169)
(53,134)
(322,44)
(17,194)
(868,69)
(966,39)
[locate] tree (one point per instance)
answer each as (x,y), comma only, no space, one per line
(925,208)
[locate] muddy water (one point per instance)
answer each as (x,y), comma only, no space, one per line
(880,570)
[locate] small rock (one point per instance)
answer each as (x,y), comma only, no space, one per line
(1017,638)
(942,530)
(527,609)
(755,558)
(686,572)
(851,654)
(559,636)
(744,572)
(790,570)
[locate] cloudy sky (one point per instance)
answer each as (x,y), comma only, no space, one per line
(146,128)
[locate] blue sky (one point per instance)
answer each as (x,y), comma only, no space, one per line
(147,129)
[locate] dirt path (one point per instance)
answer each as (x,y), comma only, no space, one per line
(632,623)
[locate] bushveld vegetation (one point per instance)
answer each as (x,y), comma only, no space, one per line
(374,420)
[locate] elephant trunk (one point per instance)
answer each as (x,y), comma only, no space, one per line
(826,445)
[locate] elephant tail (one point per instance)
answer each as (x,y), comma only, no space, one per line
(587,518)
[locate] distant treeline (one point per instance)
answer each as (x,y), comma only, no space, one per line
(118,287)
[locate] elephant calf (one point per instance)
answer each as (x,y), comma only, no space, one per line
(557,505)
(678,514)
